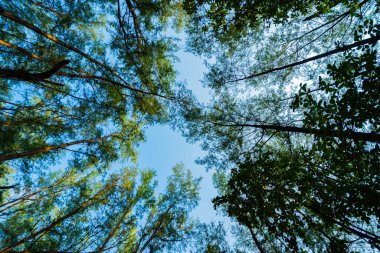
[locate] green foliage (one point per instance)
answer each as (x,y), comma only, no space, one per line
(239,15)
(227,22)
(118,79)
(210,238)
(63,138)
(83,211)
(301,199)
(352,98)
(288,169)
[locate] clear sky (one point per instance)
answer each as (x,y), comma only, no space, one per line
(164,148)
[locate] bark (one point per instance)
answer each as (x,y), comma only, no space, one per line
(362,234)
(80,209)
(22,50)
(258,245)
(8,187)
(27,76)
(359,136)
(157,227)
(370,40)
(20,21)
(52,147)
(114,230)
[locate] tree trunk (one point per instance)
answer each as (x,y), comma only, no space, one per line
(80,209)
(359,136)
(20,21)
(370,40)
(52,147)
(113,231)
(258,245)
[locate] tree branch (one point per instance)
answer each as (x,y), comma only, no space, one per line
(27,76)
(8,187)
(370,40)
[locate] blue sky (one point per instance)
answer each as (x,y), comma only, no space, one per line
(164,148)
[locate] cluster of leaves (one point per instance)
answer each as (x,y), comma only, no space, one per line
(80,211)
(117,81)
(301,168)
(65,135)
(228,22)
(298,169)
(352,98)
(236,16)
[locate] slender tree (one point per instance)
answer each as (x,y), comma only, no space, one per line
(290,168)
(121,211)
(79,82)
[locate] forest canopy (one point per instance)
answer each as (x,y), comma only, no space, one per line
(292,131)
(293,126)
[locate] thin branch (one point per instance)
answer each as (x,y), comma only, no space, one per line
(371,40)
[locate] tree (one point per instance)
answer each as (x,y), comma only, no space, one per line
(240,16)
(218,23)
(101,76)
(78,211)
(79,82)
(290,170)
(210,238)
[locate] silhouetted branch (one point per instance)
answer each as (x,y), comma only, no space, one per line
(27,76)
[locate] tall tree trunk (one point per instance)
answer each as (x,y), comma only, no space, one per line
(370,40)
(115,228)
(80,209)
(32,27)
(370,137)
(50,148)
(258,245)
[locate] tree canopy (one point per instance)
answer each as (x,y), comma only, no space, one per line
(292,130)
(79,82)
(293,127)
